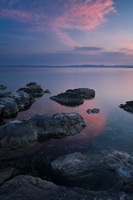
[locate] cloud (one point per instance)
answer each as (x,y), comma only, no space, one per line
(77,48)
(60,16)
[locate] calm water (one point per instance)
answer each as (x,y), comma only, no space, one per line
(111,129)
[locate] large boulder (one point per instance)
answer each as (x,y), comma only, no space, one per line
(9,107)
(23,99)
(17,133)
(74,97)
(7,173)
(59,125)
(128,106)
(83,170)
(28,187)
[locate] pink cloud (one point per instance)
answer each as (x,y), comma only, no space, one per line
(67,15)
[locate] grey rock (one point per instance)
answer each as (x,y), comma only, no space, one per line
(32,84)
(35,91)
(9,107)
(128,106)
(16,134)
(47,91)
(3,87)
(2,94)
(89,111)
(120,162)
(23,99)
(28,187)
(59,125)
(95,110)
(6,173)
(74,97)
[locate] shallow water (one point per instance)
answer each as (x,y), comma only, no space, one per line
(111,129)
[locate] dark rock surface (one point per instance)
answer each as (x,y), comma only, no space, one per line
(47,91)
(23,99)
(59,125)
(74,97)
(16,134)
(3,87)
(94,111)
(6,173)
(33,89)
(128,106)
(9,107)
(28,187)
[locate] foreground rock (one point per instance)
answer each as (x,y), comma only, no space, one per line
(74,97)
(120,162)
(94,111)
(6,173)
(33,89)
(28,187)
(59,125)
(3,87)
(87,171)
(16,134)
(128,106)
(9,107)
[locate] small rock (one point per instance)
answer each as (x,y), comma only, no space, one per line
(128,106)
(89,111)
(32,84)
(3,87)
(95,110)
(47,91)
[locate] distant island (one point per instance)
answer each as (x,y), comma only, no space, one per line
(66,66)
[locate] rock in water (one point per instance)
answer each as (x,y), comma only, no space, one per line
(59,125)
(23,99)
(128,106)
(94,111)
(6,173)
(3,87)
(17,133)
(74,97)
(120,162)
(10,107)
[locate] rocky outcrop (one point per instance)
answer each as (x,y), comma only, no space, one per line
(28,187)
(74,97)
(33,89)
(9,107)
(16,134)
(6,173)
(94,111)
(59,125)
(23,99)
(3,87)
(128,106)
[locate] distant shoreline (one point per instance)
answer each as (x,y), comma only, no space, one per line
(67,66)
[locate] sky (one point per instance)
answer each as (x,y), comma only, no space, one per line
(66,32)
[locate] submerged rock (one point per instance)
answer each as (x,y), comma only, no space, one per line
(120,162)
(9,107)
(60,124)
(94,111)
(6,173)
(74,97)
(28,187)
(17,133)
(128,106)
(23,99)
(3,87)
(47,91)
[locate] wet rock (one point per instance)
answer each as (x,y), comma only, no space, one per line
(59,125)
(2,94)
(74,97)
(128,185)
(35,91)
(128,106)
(120,162)
(85,93)
(47,91)
(3,87)
(17,133)
(6,173)
(94,111)
(23,99)
(9,107)
(28,187)
(32,84)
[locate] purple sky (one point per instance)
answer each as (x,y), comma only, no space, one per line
(66,32)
